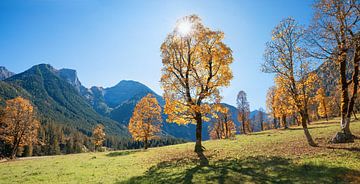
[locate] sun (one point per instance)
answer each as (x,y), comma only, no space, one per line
(184,28)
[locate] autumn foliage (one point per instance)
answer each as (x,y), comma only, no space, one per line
(145,123)
(98,136)
(18,125)
(224,126)
(196,64)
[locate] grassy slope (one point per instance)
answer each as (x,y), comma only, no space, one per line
(274,156)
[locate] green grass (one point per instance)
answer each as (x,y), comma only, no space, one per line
(274,156)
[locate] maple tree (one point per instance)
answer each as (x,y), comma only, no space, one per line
(243,111)
(18,124)
(259,117)
(283,105)
(335,36)
(323,103)
(270,104)
(145,122)
(286,57)
(98,136)
(196,64)
(223,127)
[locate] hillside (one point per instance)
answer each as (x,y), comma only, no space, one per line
(60,97)
(274,156)
(56,100)
(5,73)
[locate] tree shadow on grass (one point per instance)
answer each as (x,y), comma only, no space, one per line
(311,127)
(352,149)
(120,153)
(258,169)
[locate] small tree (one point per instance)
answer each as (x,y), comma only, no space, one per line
(146,121)
(98,136)
(243,111)
(323,103)
(260,118)
(223,127)
(18,125)
(270,104)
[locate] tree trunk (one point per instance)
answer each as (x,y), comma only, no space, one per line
(284,122)
(198,146)
(146,143)
(304,119)
(274,121)
(14,149)
(243,125)
(326,113)
(226,130)
(355,115)
(347,105)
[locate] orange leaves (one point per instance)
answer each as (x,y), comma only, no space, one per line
(18,125)
(324,106)
(223,126)
(98,135)
(146,120)
(195,67)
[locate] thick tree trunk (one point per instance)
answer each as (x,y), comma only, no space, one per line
(347,103)
(304,119)
(198,146)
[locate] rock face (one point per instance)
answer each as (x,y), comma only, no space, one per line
(70,76)
(4,73)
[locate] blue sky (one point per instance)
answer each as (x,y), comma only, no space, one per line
(109,41)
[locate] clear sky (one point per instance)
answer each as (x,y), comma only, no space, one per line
(109,41)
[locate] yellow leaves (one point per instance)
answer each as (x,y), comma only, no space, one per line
(18,125)
(98,135)
(146,121)
(194,68)
(223,126)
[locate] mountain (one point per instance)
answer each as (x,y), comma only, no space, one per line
(56,99)
(59,96)
(125,90)
(4,73)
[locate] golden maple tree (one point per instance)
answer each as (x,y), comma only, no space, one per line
(283,105)
(98,136)
(335,37)
(223,127)
(323,103)
(270,104)
(145,123)
(18,125)
(196,64)
(287,58)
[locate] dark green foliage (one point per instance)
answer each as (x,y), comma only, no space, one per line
(117,143)
(57,100)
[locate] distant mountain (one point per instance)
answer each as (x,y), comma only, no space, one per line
(56,98)
(125,90)
(4,73)
(60,97)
